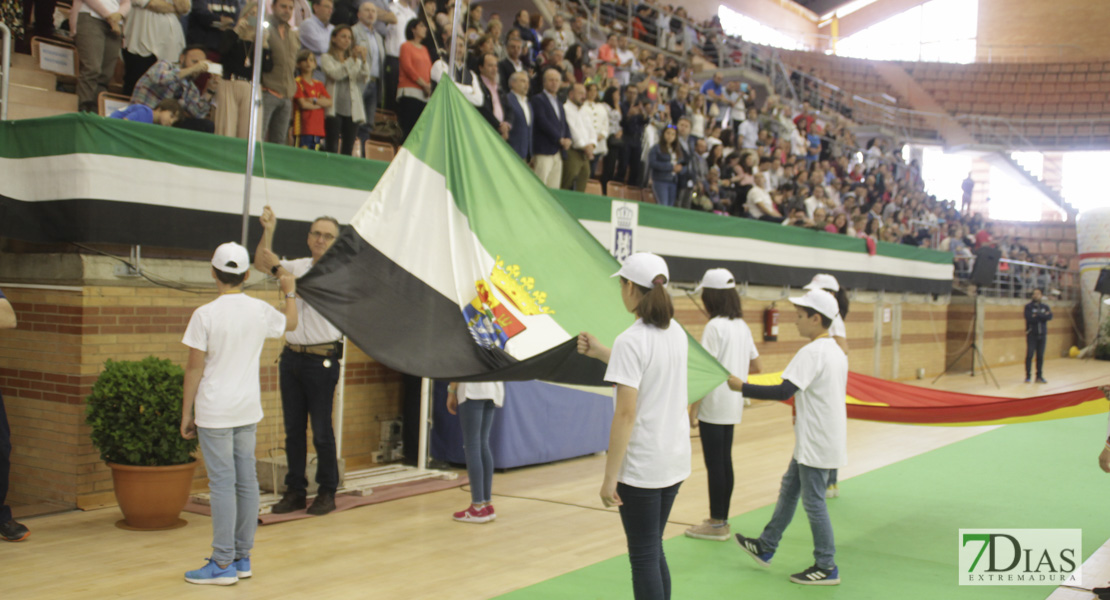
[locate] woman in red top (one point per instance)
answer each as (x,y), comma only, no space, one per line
(414,81)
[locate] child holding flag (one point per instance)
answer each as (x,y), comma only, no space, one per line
(817,378)
(649,442)
(728,338)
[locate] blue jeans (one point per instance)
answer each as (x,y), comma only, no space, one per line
(476,417)
(370,105)
(233,486)
(644,514)
(307,391)
(810,484)
(665,192)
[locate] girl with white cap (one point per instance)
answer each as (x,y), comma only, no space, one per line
(728,338)
(838,332)
(649,442)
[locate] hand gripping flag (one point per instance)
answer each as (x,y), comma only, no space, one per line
(462,266)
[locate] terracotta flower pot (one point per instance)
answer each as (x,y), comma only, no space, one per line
(151,498)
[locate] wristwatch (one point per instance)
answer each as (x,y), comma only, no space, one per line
(291,295)
(274,269)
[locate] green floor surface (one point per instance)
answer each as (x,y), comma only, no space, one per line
(897,527)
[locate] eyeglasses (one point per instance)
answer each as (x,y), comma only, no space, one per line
(327,237)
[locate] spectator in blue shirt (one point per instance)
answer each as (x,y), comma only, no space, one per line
(713,88)
(167,112)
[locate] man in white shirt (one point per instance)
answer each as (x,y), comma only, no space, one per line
(759,203)
(817,379)
(749,130)
(403,11)
(99,38)
(626,60)
(308,373)
(583,140)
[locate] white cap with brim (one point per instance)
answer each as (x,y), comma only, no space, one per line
(823,281)
(231,258)
(717,279)
(820,301)
(642,268)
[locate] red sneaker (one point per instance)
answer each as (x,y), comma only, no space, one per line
(490,512)
(473,515)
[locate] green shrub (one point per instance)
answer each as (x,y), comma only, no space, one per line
(135,413)
(1102,351)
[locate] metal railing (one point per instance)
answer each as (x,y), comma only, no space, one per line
(1018,279)
(5,68)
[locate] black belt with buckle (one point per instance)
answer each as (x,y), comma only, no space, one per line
(327,349)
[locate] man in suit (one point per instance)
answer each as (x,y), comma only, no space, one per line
(367,36)
(551,135)
(513,63)
(520,134)
(494,104)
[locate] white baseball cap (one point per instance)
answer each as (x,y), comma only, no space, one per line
(823,281)
(717,279)
(820,301)
(231,258)
(642,268)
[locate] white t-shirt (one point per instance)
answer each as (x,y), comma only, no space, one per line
(653,361)
(481,390)
(820,370)
(837,329)
(730,342)
(396,35)
(312,327)
(231,330)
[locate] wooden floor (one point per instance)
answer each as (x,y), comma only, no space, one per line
(550,521)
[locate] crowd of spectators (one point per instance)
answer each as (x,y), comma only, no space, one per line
(576,99)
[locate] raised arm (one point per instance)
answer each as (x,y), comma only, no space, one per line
(588,345)
(264,257)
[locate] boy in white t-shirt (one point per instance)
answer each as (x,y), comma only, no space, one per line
(817,378)
(225,340)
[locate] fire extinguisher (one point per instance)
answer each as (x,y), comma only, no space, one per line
(771,324)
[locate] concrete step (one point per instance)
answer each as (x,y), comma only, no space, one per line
(32,102)
(25,71)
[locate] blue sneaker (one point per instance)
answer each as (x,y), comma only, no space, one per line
(817,576)
(242,567)
(212,574)
(755,549)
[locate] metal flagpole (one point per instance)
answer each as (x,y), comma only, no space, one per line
(454,34)
(256,101)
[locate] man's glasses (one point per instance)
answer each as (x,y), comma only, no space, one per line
(327,237)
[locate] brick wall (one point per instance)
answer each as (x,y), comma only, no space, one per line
(49,363)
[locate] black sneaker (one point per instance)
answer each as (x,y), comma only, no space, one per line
(1041,379)
(14,532)
(290,502)
(754,548)
(323,504)
(817,576)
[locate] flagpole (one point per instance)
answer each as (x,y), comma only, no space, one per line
(256,99)
(422,445)
(454,41)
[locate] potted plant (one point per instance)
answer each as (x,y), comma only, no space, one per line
(135,414)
